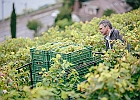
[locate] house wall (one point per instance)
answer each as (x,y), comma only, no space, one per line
(99,6)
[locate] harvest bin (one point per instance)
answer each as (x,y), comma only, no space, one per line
(83,68)
(39,59)
(74,57)
(43,59)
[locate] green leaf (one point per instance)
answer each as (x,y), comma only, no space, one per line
(127,97)
(101,78)
(104,98)
(64,95)
(139,82)
(98,86)
(122,90)
(110,84)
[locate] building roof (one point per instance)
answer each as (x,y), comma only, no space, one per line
(95,8)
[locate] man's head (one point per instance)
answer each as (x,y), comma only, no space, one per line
(104,27)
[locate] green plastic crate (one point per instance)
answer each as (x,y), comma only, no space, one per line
(42,59)
(82,69)
(38,65)
(97,57)
(37,68)
(44,55)
(39,55)
(76,56)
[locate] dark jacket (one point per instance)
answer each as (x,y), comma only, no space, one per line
(114,35)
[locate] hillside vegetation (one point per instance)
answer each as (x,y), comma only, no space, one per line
(117,78)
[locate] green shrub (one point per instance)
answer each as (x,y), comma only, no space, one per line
(35,25)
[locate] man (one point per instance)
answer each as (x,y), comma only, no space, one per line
(109,33)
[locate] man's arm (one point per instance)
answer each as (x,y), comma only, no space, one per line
(120,37)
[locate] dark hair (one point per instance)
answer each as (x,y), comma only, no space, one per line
(106,23)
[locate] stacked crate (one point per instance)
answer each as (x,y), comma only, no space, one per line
(81,59)
(40,59)
(74,57)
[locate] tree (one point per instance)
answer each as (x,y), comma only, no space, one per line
(108,12)
(133,3)
(35,25)
(64,22)
(65,13)
(13,23)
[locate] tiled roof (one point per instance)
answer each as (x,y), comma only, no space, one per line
(95,8)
